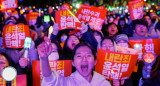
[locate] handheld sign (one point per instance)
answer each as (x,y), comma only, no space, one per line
(14,35)
(67,20)
(8,5)
(27,42)
(46,18)
(114,65)
(93,15)
(136,9)
(63,67)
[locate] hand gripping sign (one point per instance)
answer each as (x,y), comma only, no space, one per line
(19,81)
(93,15)
(8,4)
(32,18)
(136,9)
(114,65)
(64,67)
(14,35)
(67,20)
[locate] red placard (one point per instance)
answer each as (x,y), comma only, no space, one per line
(14,35)
(146,46)
(136,9)
(8,5)
(67,20)
(32,18)
(93,15)
(19,81)
(66,6)
(64,67)
(114,65)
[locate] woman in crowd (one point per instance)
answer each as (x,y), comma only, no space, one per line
(84,59)
(111,30)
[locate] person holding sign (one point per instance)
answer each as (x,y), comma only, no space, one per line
(84,59)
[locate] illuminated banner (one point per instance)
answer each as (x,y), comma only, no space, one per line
(64,67)
(93,15)
(32,18)
(67,20)
(66,6)
(146,46)
(114,65)
(14,35)
(9,4)
(19,81)
(136,9)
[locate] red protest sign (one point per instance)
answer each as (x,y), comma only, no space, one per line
(64,67)
(14,35)
(136,9)
(114,65)
(19,81)
(9,4)
(93,15)
(31,18)
(146,46)
(67,20)
(66,6)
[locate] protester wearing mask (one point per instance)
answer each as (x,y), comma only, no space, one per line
(122,40)
(56,53)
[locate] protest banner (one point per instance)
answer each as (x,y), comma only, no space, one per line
(31,18)
(126,50)
(20,80)
(8,5)
(136,9)
(93,15)
(64,67)
(67,20)
(115,65)
(66,6)
(145,46)
(14,35)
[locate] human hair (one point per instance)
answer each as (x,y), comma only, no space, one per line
(84,44)
(66,50)
(109,39)
(139,22)
(59,49)
(99,33)
(119,26)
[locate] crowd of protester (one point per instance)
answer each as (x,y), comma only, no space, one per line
(82,51)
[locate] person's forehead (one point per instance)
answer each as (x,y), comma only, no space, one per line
(84,49)
(107,41)
(72,37)
(122,41)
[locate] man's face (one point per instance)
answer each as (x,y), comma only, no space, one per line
(140,30)
(84,61)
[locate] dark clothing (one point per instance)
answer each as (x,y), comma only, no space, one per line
(89,38)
